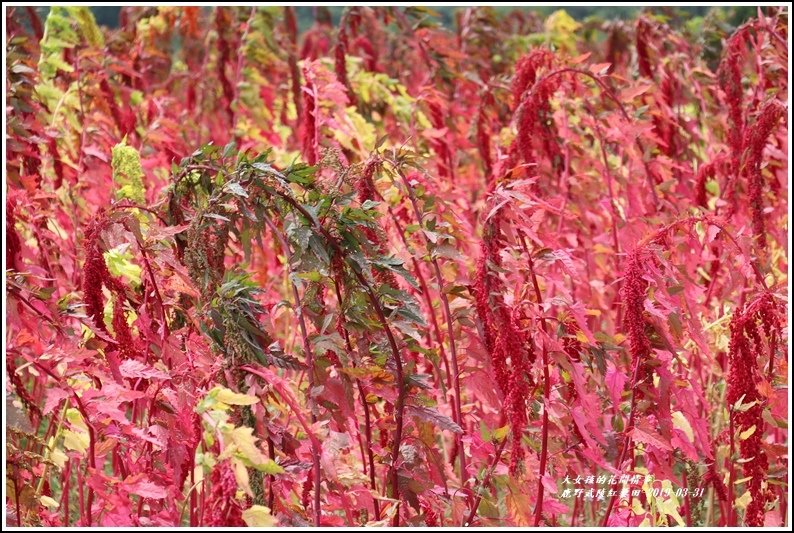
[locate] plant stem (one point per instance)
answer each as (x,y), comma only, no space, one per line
(731,473)
(367,422)
(485,480)
(292,29)
(627,441)
(457,412)
(429,302)
(399,406)
(310,362)
(544,450)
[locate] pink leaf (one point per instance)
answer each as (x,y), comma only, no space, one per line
(147,489)
(54,397)
(549,484)
(615,381)
(630,94)
(131,368)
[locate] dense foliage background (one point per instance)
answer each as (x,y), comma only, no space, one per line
(308,15)
(514,269)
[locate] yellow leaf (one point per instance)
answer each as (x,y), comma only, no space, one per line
(259,516)
(49,503)
(58,457)
(669,506)
(744,500)
(747,433)
(518,506)
(386,516)
(75,418)
(245,443)
(680,422)
(241,475)
(499,434)
(601,249)
(560,22)
(233,398)
(119,262)
(73,440)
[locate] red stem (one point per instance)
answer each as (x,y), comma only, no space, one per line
(612,212)
(399,406)
(157,294)
(286,395)
(367,421)
(731,472)
(544,449)
(292,32)
(458,415)
(307,348)
(91,433)
(772,349)
(497,456)
(627,441)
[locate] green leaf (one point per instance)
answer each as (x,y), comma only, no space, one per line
(299,236)
(119,262)
(229,149)
(216,217)
(269,467)
(395,264)
(433,416)
(236,189)
(128,173)
(319,250)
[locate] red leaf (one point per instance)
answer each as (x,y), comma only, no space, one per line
(646,434)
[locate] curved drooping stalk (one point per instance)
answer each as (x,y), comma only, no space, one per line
(608,92)
(612,206)
(399,407)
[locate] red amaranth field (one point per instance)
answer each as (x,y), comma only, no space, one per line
(516,270)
